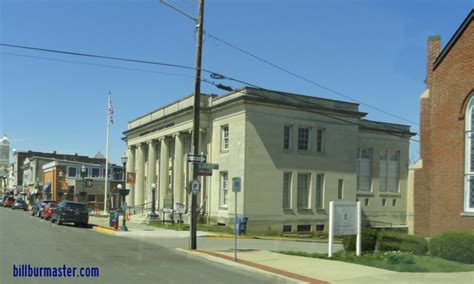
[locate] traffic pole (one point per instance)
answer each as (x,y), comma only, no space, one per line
(196,112)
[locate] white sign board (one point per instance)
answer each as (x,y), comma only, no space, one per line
(345,218)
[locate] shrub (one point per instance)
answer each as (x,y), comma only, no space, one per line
(414,244)
(369,237)
(453,245)
(391,241)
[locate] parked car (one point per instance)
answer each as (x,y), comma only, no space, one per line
(70,212)
(8,202)
(38,206)
(1,201)
(20,204)
(48,210)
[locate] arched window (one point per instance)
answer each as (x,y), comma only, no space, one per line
(469,158)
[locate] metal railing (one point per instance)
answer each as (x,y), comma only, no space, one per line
(139,209)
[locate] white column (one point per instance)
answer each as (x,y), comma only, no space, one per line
(151,174)
(140,175)
(178,185)
(130,168)
(164,170)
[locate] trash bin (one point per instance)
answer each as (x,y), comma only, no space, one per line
(113,218)
(243,225)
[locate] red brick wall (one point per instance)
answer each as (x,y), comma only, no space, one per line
(439,185)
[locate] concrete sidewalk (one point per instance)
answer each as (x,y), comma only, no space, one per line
(140,230)
(314,270)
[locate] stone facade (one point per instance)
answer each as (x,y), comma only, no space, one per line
(293,153)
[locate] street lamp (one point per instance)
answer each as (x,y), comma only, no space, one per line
(124,192)
(153,206)
(58,190)
(83,174)
(37,187)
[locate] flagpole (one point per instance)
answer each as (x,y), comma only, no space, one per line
(107,154)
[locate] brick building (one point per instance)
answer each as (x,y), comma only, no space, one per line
(444,180)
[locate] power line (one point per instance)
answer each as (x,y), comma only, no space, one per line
(100,56)
(73,53)
(213,75)
(95,64)
(305,79)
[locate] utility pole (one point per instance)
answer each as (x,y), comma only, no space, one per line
(196,112)
(196,109)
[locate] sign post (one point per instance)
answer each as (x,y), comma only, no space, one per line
(344,219)
(236,188)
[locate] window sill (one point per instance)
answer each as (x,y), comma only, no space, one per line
(366,193)
(467,214)
(223,208)
(390,194)
(224,151)
(288,211)
(305,211)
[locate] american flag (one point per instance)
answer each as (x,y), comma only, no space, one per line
(111,110)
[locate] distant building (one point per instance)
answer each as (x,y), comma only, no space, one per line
(63,179)
(4,161)
(293,153)
(444,177)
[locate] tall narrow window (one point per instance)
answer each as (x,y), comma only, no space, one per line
(469,158)
(286,190)
(287,135)
(389,171)
(303,138)
(319,140)
(224,189)
(340,188)
(319,191)
(303,191)
(225,138)
(364,170)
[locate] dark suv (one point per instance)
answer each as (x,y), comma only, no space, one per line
(71,212)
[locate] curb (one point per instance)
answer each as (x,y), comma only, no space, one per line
(276,277)
(104,230)
(270,272)
(226,236)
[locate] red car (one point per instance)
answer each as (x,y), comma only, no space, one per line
(8,202)
(47,211)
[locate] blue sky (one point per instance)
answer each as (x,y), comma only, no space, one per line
(373,51)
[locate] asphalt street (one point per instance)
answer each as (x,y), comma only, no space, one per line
(28,240)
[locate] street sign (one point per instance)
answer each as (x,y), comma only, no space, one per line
(236,184)
(196,158)
(208,166)
(195,187)
(204,173)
